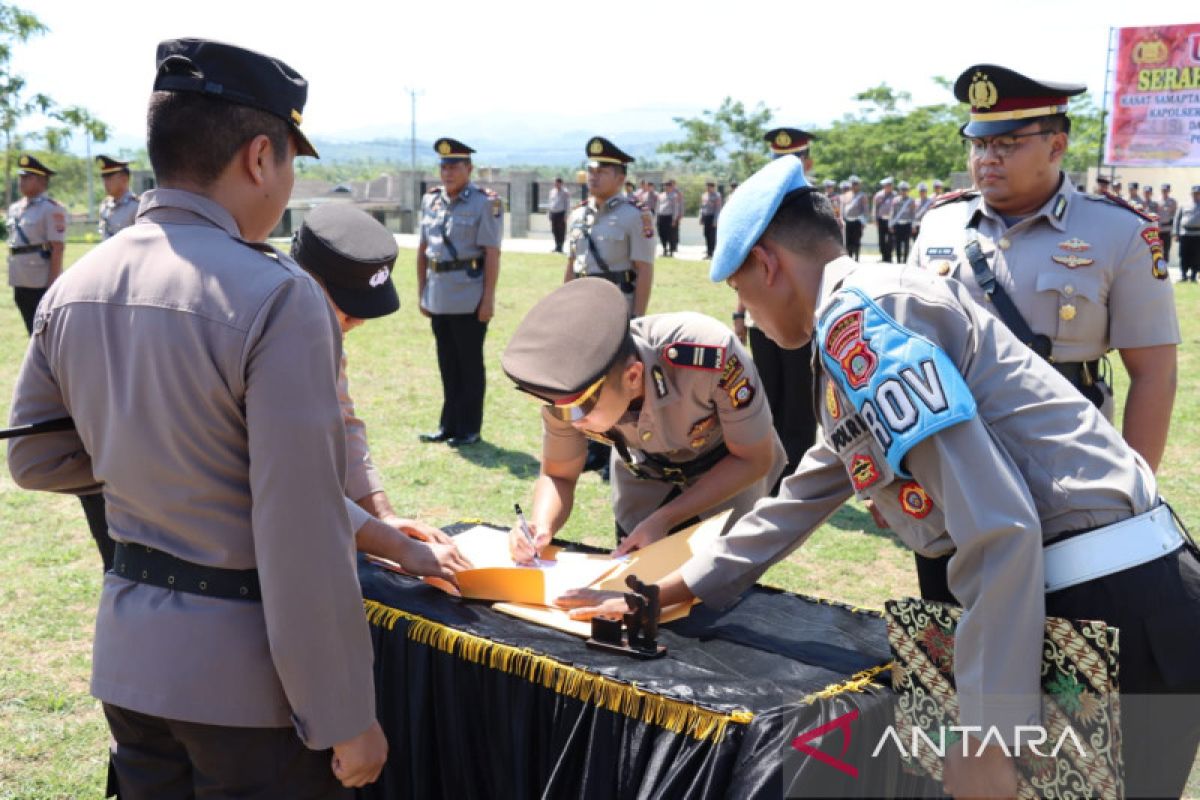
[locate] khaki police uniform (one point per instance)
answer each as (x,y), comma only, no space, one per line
(854,214)
(1187,230)
(117,214)
(882,204)
(1083,270)
(33,223)
(455,232)
(669,209)
(1168,211)
(214,347)
(606,238)
(900,224)
(701,391)
(980,449)
(559,203)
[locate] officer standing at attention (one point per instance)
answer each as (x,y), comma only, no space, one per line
(924,203)
(669,209)
(900,224)
(1168,211)
(854,213)
(200,368)
(1187,228)
(1150,206)
(612,238)
(351,255)
(674,394)
(37,230)
(557,207)
(119,206)
(968,443)
(458,264)
(882,203)
(1134,198)
(1073,275)
(710,209)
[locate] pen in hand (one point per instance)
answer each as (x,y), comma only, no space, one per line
(525,529)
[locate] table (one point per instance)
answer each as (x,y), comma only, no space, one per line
(477,704)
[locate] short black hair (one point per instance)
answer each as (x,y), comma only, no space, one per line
(804,221)
(1059,123)
(192,136)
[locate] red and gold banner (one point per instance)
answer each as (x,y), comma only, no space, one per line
(1155,115)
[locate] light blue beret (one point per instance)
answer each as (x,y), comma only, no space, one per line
(749,211)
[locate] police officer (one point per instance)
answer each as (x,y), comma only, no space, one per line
(882,203)
(924,203)
(938,186)
(971,444)
(1168,210)
(1150,206)
(1134,198)
(200,366)
(669,210)
(900,223)
(710,209)
(1085,273)
(676,396)
(352,256)
(791,142)
(458,264)
(854,213)
(119,207)
(610,237)
(37,230)
(1073,275)
(1187,229)
(1103,184)
(557,207)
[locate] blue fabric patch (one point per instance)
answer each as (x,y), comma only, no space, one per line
(904,386)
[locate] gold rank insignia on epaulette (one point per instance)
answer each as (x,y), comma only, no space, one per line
(695,356)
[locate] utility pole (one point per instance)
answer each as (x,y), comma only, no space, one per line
(412,137)
(90,171)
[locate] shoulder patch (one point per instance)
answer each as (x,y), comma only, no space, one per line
(1120,202)
(903,386)
(690,355)
(954,197)
(1159,267)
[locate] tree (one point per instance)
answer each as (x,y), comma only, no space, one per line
(16,104)
(728,141)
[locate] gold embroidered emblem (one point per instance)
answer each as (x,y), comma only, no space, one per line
(982,93)
(1073,261)
(782,139)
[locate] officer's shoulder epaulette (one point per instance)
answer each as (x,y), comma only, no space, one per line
(954,197)
(433,190)
(691,355)
(1121,203)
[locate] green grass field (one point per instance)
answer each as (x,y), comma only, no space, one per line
(52,734)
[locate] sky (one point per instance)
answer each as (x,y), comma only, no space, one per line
(531,66)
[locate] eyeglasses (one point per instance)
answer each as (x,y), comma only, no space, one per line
(1003,146)
(575,407)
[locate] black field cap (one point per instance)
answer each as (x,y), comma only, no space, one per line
(236,75)
(785,141)
(602,151)
(568,340)
(353,254)
(1103,180)
(450,150)
(110,166)
(28,165)
(1003,100)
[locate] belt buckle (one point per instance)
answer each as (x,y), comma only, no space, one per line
(674,475)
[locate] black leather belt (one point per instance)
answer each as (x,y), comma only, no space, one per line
(676,473)
(28,248)
(622,278)
(146,565)
(1079,373)
(455,266)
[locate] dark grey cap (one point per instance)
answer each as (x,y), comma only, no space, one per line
(353,254)
(568,340)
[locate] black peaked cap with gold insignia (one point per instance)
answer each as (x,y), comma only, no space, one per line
(109,166)
(450,150)
(569,339)
(235,75)
(602,151)
(353,254)
(786,141)
(28,165)
(1003,100)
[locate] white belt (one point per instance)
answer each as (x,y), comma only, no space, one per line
(1111,549)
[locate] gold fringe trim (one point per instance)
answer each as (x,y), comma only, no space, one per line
(859,682)
(612,695)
